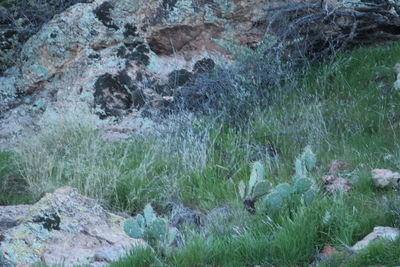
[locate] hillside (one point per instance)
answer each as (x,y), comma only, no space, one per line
(251,150)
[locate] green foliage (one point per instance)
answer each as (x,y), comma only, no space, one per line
(156,231)
(283,189)
(13,188)
(257,186)
(274,201)
(257,175)
(303,188)
(302,185)
(305,163)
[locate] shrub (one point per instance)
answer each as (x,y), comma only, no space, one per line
(236,91)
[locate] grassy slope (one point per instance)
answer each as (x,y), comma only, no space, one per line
(345,109)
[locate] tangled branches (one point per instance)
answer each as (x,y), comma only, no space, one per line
(320,28)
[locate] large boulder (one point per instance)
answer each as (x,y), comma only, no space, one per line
(62,228)
(119,56)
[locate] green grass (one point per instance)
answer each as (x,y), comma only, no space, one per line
(13,189)
(345,108)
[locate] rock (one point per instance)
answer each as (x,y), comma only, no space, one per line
(9,215)
(336,166)
(379,233)
(334,184)
(108,54)
(396,84)
(383,177)
(328,251)
(63,228)
(183,215)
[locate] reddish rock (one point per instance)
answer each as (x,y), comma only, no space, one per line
(336,166)
(335,184)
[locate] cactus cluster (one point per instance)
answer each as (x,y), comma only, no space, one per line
(156,231)
(274,199)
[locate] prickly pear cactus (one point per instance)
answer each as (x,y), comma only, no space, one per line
(283,189)
(309,158)
(148,214)
(156,231)
(273,201)
(133,229)
(261,188)
(257,175)
(257,185)
(309,196)
(305,163)
(302,185)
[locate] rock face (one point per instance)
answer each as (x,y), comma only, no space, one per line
(384,178)
(63,227)
(118,56)
(379,233)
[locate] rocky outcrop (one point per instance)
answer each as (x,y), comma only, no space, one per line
(118,56)
(62,228)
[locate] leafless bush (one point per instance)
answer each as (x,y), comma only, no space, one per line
(237,90)
(322,27)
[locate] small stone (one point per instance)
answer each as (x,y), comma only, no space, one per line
(335,184)
(383,177)
(329,251)
(379,233)
(338,185)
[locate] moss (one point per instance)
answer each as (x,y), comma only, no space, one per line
(169,4)
(49,221)
(130,30)
(103,13)
(112,95)
(135,51)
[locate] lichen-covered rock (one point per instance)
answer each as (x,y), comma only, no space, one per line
(63,227)
(120,56)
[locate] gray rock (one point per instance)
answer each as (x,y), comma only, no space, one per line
(384,177)
(379,233)
(10,215)
(116,56)
(63,227)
